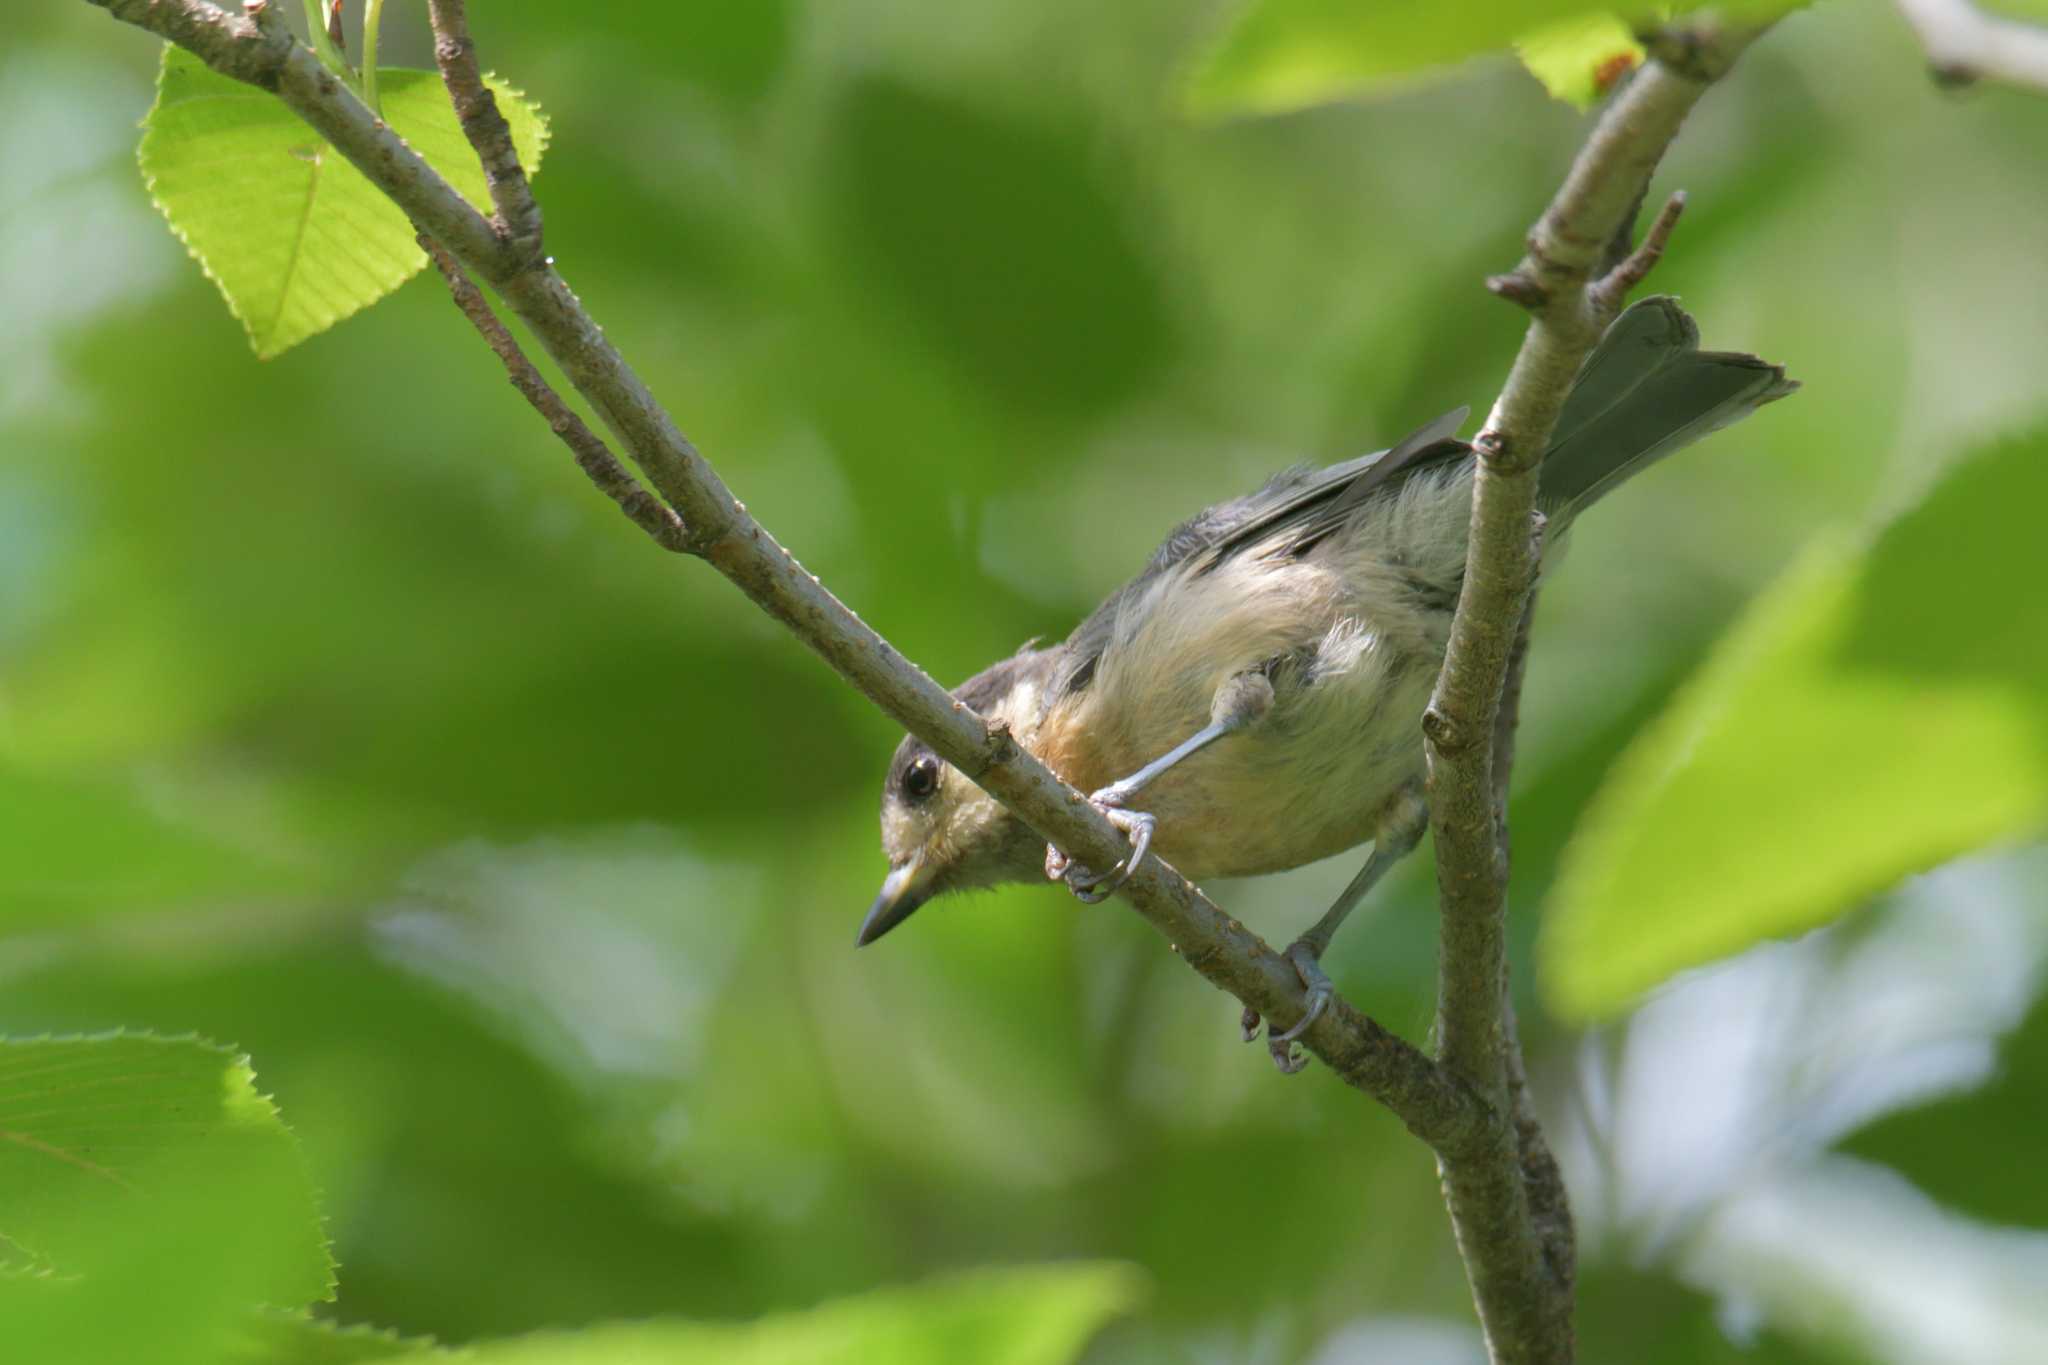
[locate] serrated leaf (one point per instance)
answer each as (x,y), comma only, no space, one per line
(1581,58)
(1280,55)
(108,1124)
(159,1196)
(1879,711)
(294,1339)
(1029,1315)
(295,237)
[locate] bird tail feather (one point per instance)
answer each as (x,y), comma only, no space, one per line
(1646,391)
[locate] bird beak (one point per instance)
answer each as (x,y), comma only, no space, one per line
(901,894)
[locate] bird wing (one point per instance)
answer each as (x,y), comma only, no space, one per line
(1307,511)
(1305,505)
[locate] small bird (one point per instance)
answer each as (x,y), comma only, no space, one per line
(1261,682)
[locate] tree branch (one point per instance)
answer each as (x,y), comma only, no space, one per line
(1964,44)
(1507,1205)
(1437,1108)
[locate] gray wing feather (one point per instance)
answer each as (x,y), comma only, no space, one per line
(1310,502)
(1320,502)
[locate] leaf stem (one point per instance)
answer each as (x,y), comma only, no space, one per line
(323,45)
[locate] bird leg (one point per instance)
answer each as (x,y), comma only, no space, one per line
(1401,824)
(1243,700)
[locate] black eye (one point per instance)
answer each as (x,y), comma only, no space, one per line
(921,779)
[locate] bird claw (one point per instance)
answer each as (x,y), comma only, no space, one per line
(1320,992)
(1088,886)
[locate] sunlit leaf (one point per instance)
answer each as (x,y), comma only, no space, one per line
(295,236)
(1581,58)
(1883,709)
(294,1339)
(1039,1315)
(1288,54)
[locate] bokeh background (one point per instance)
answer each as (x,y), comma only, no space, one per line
(340,720)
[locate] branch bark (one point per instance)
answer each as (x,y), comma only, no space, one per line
(1506,1201)
(1469,1104)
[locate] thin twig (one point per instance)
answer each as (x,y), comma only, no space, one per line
(476,109)
(1964,44)
(1613,289)
(593,456)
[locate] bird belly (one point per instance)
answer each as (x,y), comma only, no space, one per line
(1307,783)
(1304,782)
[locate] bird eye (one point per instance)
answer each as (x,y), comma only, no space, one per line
(921,779)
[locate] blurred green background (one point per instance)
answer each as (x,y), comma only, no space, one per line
(340,720)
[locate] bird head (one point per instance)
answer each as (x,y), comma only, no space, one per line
(940,832)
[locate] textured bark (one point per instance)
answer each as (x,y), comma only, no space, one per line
(1506,1199)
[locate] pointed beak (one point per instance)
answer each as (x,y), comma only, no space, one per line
(901,894)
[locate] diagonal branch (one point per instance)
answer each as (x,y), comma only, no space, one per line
(254,47)
(1506,1203)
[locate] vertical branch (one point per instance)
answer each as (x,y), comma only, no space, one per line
(1506,1200)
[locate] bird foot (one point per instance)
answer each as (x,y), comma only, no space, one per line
(1088,886)
(1302,956)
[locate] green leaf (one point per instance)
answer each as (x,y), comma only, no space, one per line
(1281,55)
(107,1124)
(1882,709)
(1032,1315)
(294,1339)
(1579,59)
(150,1199)
(295,237)
(1289,54)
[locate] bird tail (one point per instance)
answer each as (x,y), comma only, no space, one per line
(1647,390)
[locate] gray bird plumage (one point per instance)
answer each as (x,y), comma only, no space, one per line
(1331,589)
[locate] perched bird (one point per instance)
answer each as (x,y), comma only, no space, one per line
(1261,682)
